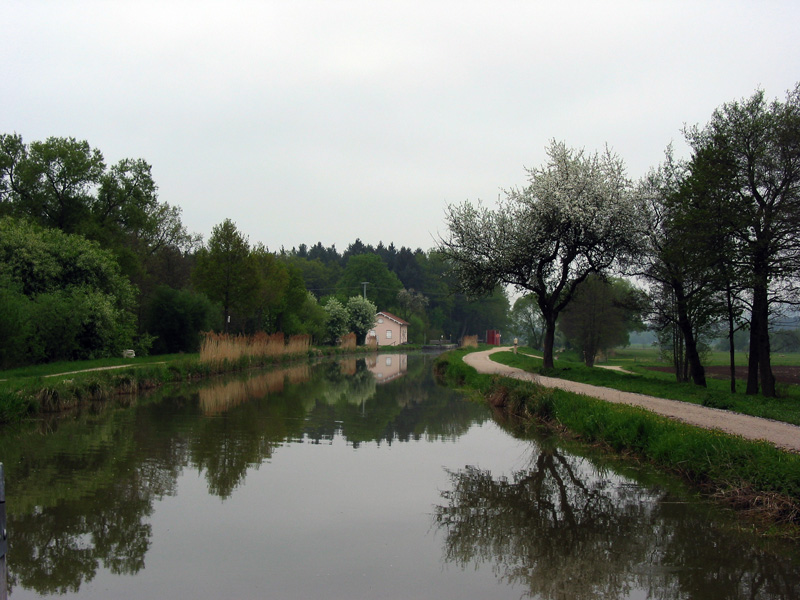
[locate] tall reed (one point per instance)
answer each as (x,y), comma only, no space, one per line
(222,347)
(469,341)
(348,342)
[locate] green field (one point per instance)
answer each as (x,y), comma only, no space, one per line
(649,355)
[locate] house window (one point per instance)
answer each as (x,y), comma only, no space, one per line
(380,319)
(388,361)
(388,334)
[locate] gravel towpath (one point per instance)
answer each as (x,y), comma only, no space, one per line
(782,435)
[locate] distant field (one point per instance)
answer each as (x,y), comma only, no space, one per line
(650,355)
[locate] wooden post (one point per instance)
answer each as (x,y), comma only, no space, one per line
(3,537)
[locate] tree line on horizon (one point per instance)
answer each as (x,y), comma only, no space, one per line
(93,262)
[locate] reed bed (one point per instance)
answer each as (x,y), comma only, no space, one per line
(469,341)
(348,342)
(221,347)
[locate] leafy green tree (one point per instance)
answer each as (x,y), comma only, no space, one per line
(273,282)
(290,319)
(226,272)
(527,321)
(52,181)
(338,321)
(685,297)
(63,183)
(411,302)
(320,278)
(79,305)
(177,318)
(601,315)
(576,217)
(362,316)
(16,325)
(311,318)
(127,216)
(753,147)
(382,284)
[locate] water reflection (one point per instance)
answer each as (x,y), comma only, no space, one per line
(81,490)
(564,528)
(387,367)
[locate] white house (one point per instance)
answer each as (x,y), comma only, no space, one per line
(389,330)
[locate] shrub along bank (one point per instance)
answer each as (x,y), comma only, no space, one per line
(753,477)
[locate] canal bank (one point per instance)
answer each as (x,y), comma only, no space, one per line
(754,477)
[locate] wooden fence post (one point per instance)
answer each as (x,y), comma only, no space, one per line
(3,537)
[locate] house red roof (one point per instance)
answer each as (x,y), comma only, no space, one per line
(393,318)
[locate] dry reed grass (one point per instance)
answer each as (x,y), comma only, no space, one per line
(221,347)
(469,341)
(348,342)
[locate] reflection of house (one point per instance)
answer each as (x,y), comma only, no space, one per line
(386,367)
(389,330)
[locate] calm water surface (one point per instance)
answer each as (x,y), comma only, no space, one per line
(357,479)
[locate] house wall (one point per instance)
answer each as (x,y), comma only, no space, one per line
(398,335)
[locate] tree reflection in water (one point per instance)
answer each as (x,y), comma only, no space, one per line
(82,489)
(563,528)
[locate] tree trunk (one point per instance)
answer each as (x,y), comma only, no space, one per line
(759,365)
(549,341)
(764,366)
(752,360)
(731,331)
(696,370)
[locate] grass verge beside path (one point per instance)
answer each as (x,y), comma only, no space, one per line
(663,385)
(752,477)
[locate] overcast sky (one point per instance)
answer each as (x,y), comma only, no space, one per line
(333,120)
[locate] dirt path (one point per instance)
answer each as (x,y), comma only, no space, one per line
(780,434)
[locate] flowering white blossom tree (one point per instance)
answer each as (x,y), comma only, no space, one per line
(576,217)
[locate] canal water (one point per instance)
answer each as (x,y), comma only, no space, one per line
(347,480)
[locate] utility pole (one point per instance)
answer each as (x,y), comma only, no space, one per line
(365,284)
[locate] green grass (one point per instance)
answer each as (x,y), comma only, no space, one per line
(650,355)
(663,385)
(67,367)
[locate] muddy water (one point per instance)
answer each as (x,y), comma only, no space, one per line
(357,479)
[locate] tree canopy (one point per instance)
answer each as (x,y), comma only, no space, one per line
(64,297)
(576,217)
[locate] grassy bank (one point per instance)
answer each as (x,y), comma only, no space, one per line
(28,391)
(752,477)
(642,380)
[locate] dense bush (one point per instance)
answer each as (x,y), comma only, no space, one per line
(63,297)
(177,317)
